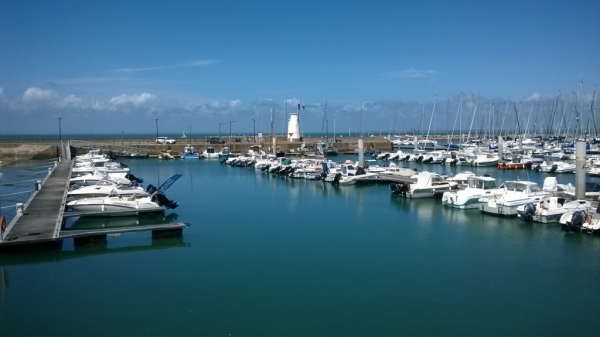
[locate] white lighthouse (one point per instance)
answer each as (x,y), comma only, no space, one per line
(294,128)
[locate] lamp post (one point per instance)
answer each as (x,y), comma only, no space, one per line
(230,127)
(60,136)
(254,130)
(220,129)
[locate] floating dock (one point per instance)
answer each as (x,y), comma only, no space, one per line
(39,223)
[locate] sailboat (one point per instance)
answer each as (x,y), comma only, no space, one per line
(183,134)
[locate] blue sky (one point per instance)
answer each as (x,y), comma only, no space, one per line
(111,66)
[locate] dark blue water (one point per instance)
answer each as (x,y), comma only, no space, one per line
(270,256)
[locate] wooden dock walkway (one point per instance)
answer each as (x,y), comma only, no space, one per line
(42,215)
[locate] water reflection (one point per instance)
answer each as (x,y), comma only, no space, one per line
(115,222)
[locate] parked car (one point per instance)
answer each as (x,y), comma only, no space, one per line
(215,140)
(165,140)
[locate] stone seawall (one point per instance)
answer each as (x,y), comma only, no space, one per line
(46,149)
(26,151)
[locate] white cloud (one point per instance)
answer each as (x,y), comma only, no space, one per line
(70,101)
(412,73)
(235,103)
(195,63)
(38,95)
(536,96)
(136,100)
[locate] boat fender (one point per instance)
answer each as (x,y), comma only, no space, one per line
(2,224)
(588,219)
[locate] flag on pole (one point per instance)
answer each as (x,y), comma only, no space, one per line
(303,107)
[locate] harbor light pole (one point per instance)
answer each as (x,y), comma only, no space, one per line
(230,127)
(220,129)
(254,130)
(122,136)
(157,131)
(60,137)
(230,146)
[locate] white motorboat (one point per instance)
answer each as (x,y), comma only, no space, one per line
(469,197)
(426,186)
(397,171)
(210,153)
(485,160)
(114,205)
(398,155)
(555,167)
(94,177)
(514,194)
(461,178)
(550,209)
(105,188)
(101,165)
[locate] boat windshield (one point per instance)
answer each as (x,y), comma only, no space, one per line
(489,185)
(534,188)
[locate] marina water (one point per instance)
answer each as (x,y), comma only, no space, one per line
(270,256)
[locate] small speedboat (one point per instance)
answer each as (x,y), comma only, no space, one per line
(95,177)
(551,209)
(106,187)
(116,205)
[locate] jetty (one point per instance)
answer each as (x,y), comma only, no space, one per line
(38,223)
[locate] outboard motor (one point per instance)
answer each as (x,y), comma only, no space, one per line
(150,189)
(537,168)
(453,162)
(386,156)
(553,168)
(160,199)
(223,161)
(134,178)
(265,168)
(395,188)
(443,162)
(277,169)
(407,156)
(337,178)
(420,159)
(428,160)
(577,220)
(122,165)
(528,212)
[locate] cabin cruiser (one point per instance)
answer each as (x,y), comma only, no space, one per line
(514,194)
(469,197)
(106,187)
(189,153)
(210,153)
(550,209)
(224,153)
(485,160)
(116,205)
(461,178)
(426,186)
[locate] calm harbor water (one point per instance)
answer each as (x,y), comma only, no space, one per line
(270,256)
